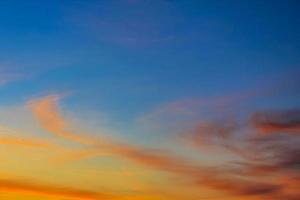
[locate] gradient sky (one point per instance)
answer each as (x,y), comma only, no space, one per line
(149,100)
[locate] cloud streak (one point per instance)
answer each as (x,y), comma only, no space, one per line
(240,179)
(263,160)
(6,77)
(30,142)
(29,188)
(277,121)
(46,112)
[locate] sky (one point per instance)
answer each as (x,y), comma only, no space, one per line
(149,100)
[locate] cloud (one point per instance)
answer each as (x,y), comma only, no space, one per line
(158,159)
(258,154)
(184,113)
(272,155)
(6,77)
(9,136)
(277,121)
(46,112)
(210,134)
(27,187)
(29,142)
(263,160)
(75,155)
(201,176)
(238,186)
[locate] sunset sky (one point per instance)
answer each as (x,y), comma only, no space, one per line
(149,100)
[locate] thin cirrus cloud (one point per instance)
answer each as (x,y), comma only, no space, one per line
(181,114)
(283,162)
(46,112)
(29,188)
(28,142)
(7,77)
(277,121)
(10,137)
(268,157)
(242,178)
(229,180)
(189,110)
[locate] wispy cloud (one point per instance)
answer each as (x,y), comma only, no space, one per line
(48,115)
(260,155)
(30,188)
(9,136)
(7,77)
(277,121)
(46,111)
(230,180)
(28,142)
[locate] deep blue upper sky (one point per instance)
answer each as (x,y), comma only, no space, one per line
(127,56)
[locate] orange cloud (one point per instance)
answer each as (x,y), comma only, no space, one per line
(277,121)
(29,142)
(261,157)
(75,155)
(217,179)
(239,187)
(210,134)
(22,187)
(46,111)
(157,159)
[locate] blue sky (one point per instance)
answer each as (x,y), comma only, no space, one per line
(215,39)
